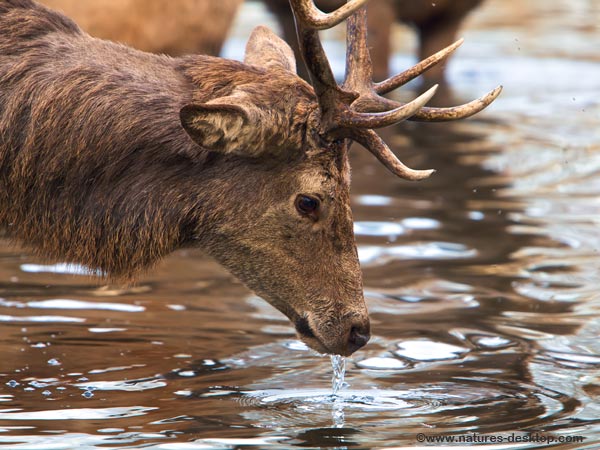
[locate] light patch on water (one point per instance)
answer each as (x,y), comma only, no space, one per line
(115,369)
(426,350)
(390,229)
(296,345)
(106,330)
(491,341)
(382,363)
(372,200)
(77,413)
(70,441)
(41,319)
(61,268)
(80,304)
(126,386)
(278,330)
(573,357)
(376,255)
(421,223)
(177,307)
(183,393)
(476,215)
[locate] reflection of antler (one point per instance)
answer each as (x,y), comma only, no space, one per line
(354,109)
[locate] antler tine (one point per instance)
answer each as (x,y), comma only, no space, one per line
(402,78)
(313,17)
(359,69)
(457,112)
(352,119)
(372,142)
(371,104)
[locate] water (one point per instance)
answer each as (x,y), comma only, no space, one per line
(482,284)
(338,364)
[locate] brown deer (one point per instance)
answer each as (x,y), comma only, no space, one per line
(112,158)
(172,27)
(436,22)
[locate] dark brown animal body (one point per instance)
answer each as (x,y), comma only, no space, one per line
(174,27)
(112,158)
(436,21)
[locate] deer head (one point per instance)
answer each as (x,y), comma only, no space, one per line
(292,241)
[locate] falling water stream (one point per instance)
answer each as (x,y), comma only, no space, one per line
(338,364)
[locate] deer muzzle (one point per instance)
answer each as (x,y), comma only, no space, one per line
(338,336)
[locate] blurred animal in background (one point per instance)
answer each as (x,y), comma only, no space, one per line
(436,21)
(174,27)
(201,26)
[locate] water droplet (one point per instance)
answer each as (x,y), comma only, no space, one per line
(476,215)
(491,341)
(88,394)
(13,383)
(295,345)
(46,393)
(54,362)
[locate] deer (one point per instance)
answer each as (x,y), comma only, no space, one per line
(113,158)
(158,26)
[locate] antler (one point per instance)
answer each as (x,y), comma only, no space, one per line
(354,109)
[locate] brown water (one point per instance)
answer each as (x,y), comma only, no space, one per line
(482,284)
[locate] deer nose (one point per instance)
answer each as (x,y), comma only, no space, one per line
(358,337)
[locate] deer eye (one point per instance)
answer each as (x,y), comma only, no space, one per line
(308,206)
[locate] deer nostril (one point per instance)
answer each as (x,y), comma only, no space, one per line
(359,336)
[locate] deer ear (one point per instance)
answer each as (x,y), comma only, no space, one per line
(216,127)
(267,50)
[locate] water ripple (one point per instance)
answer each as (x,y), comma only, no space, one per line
(76,413)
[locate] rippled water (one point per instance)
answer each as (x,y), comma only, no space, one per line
(482,285)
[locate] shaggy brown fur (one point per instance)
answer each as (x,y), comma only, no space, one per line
(112,158)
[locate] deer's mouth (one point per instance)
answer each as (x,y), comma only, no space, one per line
(307,335)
